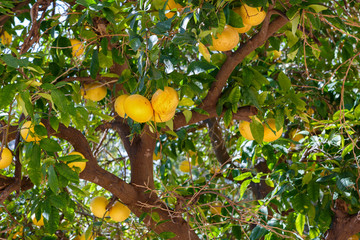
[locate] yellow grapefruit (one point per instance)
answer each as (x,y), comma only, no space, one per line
(94,91)
(5,158)
(185,166)
(252,16)
(36,222)
(169,12)
(165,101)
(119,212)
(245,130)
(138,108)
(77,47)
(353,237)
(119,105)
(246,27)
(75,165)
(5,38)
(98,206)
(269,134)
(157,156)
(163,117)
(216,208)
(27,132)
(226,40)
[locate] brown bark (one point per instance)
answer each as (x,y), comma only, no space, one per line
(343,225)
(217,141)
(134,195)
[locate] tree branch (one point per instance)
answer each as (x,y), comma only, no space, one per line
(343,225)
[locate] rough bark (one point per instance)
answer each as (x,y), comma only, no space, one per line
(217,141)
(343,224)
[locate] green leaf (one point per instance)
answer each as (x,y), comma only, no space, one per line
(86,3)
(313,190)
(59,99)
(25,96)
(200,66)
(53,179)
(347,149)
(257,130)
(235,20)
(155,216)
(188,115)
(53,222)
(54,123)
(50,145)
(67,172)
(284,82)
(300,223)
(243,188)
(59,201)
(7,94)
(318,8)
(234,96)
(236,231)
(167,235)
(94,65)
(258,232)
(34,167)
(269,182)
(243,176)
(227,117)
(14,62)
(307,178)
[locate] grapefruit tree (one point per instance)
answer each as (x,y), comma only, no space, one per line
(119,82)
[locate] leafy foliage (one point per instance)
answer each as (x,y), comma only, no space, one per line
(133,47)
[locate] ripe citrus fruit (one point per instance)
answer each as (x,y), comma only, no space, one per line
(277,54)
(98,206)
(171,5)
(138,108)
(246,27)
(119,212)
(5,158)
(245,130)
(165,101)
(226,40)
(36,222)
(294,135)
(27,132)
(157,156)
(185,166)
(77,47)
(252,16)
(75,165)
(216,208)
(82,237)
(5,38)
(163,118)
(94,91)
(353,237)
(119,105)
(269,134)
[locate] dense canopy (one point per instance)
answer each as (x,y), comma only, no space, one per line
(173,158)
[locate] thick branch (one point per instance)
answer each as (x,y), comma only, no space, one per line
(233,60)
(343,225)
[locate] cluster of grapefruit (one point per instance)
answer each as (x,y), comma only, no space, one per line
(161,108)
(229,37)
(118,212)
